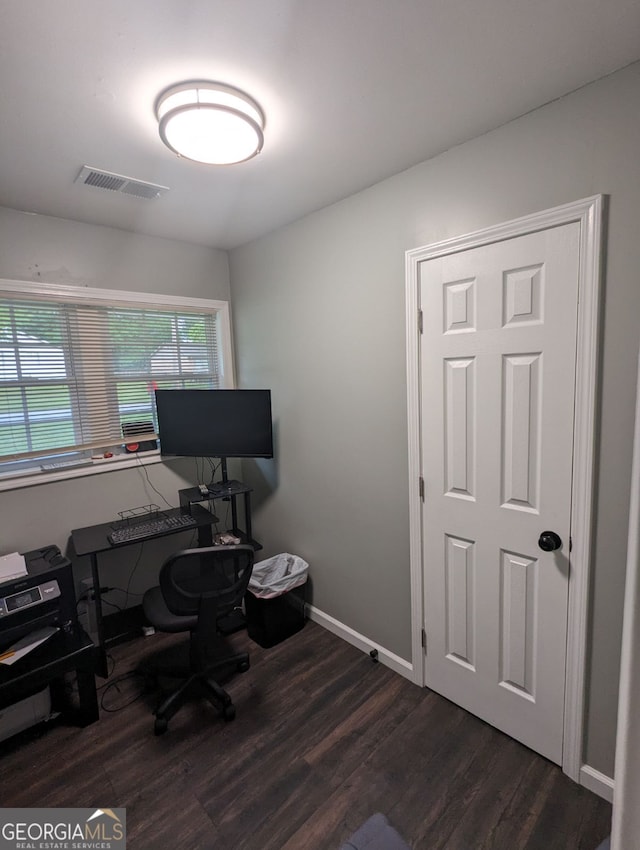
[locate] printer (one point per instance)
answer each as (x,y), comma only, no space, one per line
(44,597)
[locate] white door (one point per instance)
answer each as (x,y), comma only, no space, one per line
(497,402)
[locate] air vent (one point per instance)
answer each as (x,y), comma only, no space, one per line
(118,183)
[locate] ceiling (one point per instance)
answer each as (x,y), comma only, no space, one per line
(354,91)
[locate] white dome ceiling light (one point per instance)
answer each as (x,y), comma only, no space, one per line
(210,122)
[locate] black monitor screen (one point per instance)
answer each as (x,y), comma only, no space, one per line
(215,423)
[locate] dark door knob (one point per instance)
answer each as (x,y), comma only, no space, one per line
(549,541)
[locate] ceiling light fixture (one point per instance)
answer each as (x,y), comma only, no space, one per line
(210,122)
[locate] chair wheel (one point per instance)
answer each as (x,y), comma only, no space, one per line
(160,726)
(243,666)
(229,712)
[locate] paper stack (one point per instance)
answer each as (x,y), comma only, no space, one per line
(12,566)
(14,653)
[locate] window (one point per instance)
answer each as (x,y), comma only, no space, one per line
(79,368)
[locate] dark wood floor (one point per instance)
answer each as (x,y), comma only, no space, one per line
(323,739)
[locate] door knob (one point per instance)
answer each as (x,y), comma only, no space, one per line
(549,541)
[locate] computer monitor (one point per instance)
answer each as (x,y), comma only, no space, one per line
(215,423)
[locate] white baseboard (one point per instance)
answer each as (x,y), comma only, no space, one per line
(599,783)
(389,659)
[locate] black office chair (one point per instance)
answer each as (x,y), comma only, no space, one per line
(198,589)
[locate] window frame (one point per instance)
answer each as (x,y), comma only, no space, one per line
(98,296)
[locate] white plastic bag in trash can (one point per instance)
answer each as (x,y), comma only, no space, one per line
(277,575)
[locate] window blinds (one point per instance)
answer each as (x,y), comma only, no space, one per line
(73,372)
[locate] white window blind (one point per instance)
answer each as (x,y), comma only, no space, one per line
(75,371)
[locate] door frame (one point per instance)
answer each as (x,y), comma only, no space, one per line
(589,214)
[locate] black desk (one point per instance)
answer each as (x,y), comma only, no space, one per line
(94,539)
(62,653)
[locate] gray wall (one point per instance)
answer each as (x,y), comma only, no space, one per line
(53,250)
(319,318)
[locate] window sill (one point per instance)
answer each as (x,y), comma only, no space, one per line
(97,466)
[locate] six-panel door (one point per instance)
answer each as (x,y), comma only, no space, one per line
(497,395)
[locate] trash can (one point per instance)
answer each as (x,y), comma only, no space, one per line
(275,599)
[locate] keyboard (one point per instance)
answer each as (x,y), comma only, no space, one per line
(155,527)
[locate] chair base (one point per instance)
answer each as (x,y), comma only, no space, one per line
(195,684)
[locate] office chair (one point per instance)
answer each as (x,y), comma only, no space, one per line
(198,588)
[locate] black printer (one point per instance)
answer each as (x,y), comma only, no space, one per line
(44,597)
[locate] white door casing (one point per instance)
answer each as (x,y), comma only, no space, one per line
(625,824)
(459,360)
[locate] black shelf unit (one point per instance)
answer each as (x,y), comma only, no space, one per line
(64,652)
(233,492)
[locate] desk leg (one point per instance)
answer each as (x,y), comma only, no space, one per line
(102,668)
(88,698)
(86,711)
(247,516)
(205,536)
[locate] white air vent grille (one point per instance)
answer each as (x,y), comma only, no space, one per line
(118,183)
